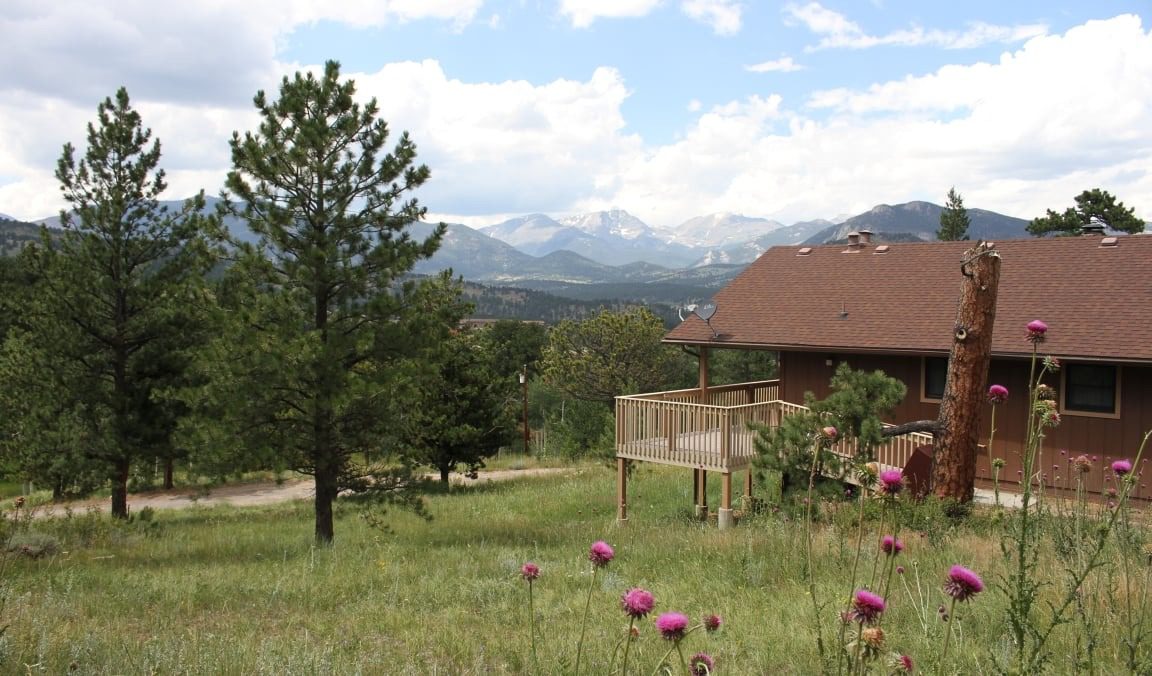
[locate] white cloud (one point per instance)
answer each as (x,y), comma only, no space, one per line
(836,30)
(724,16)
(784,64)
(1012,136)
(584,12)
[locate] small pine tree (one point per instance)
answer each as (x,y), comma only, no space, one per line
(954,219)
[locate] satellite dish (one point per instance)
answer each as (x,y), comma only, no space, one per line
(705,312)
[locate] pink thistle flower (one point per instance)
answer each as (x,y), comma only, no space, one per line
(891,546)
(600,553)
(712,623)
(529,571)
(830,433)
(701,664)
(672,626)
(891,481)
(904,663)
(899,570)
(637,602)
(1121,467)
(962,584)
(1082,464)
(866,607)
(997,394)
(1036,331)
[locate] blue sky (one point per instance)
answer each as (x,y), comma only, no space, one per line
(667,108)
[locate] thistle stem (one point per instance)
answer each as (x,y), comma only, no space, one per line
(584,622)
(627,646)
(948,634)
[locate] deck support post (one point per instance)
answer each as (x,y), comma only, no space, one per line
(622,491)
(748,482)
(724,519)
(701,493)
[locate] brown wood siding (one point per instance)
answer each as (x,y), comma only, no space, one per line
(1106,438)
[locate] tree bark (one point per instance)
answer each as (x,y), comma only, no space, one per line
(445,470)
(954,472)
(168,472)
(325,497)
(120,489)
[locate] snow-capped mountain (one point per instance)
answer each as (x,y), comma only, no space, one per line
(538,235)
(721,230)
(613,223)
(6,217)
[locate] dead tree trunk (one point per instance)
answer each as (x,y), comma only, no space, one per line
(954,472)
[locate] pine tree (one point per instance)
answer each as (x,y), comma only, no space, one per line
(1093,207)
(112,300)
(320,355)
(954,220)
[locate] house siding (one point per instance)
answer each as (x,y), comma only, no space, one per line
(1107,438)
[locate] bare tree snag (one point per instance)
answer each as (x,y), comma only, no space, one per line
(954,472)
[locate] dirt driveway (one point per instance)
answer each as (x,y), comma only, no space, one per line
(270,492)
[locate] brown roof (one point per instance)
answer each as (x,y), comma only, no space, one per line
(1096,300)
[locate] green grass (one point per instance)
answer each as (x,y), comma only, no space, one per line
(231,591)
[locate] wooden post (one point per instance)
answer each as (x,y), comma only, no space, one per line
(748,483)
(622,490)
(696,490)
(702,494)
(956,442)
(724,516)
(702,364)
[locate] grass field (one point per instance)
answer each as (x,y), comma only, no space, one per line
(229,591)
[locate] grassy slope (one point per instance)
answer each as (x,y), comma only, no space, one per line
(243,591)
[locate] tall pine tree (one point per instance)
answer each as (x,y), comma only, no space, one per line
(113,300)
(954,220)
(315,366)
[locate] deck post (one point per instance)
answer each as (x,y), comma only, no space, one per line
(622,491)
(748,483)
(702,494)
(724,516)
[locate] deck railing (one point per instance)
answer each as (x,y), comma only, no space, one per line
(675,428)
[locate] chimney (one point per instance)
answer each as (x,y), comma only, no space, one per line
(1092,230)
(865,237)
(853,242)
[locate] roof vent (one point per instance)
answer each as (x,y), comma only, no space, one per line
(883,248)
(1110,241)
(805,251)
(1092,230)
(853,242)
(865,236)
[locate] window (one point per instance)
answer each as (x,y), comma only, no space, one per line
(1091,389)
(935,374)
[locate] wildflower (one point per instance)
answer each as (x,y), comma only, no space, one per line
(1051,363)
(1036,331)
(1121,467)
(19,502)
(899,570)
(637,602)
(998,463)
(672,626)
(529,571)
(701,664)
(873,637)
(1082,464)
(600,554)
(962,583)
(997,394)
(634,632)
(711,623)
(1046,393)
(891,481)
(866,607)
(830,433)
(891,546)
(902,663)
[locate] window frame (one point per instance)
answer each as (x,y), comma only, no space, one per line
(924,396)
(1064,410)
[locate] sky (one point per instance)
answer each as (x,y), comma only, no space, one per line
(668,109)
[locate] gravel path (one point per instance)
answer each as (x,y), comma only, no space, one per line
(267,492)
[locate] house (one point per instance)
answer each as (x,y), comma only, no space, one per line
(892,307)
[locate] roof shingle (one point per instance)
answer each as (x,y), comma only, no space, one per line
(1096,300)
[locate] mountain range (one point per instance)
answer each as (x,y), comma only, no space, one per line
(613,254)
